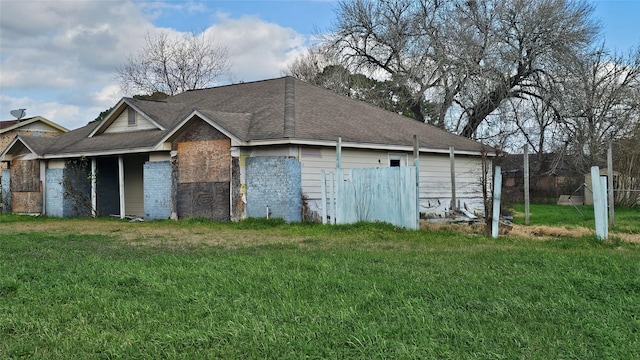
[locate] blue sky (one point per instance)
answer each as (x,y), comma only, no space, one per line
(57,58)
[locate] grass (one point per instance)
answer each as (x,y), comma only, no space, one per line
(627,220)
(263,289)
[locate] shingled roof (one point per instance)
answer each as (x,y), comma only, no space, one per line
(283,110)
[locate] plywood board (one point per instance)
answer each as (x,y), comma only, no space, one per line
(25,176)
(203,200)
(27,202)
(204,161)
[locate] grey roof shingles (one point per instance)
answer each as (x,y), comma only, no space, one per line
(256,111)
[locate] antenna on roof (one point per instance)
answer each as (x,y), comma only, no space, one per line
(19,114)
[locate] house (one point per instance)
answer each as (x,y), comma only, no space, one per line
(230,152)
(550,175)
(32,126)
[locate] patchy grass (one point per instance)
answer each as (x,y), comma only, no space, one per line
(105,288)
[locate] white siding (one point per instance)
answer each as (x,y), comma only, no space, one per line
(316,159)
(435,175)
(56,164)
(435,182)
(275,151)
(37,126)
(121,123)
(160,156)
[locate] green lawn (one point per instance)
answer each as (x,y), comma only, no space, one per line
(627,220)
(360,291)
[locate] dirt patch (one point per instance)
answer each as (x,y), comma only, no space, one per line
(538,231)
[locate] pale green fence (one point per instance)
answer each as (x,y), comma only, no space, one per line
(388,194)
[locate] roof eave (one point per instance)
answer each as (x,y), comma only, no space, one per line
(195,112)
(98,153)
(359,145)
(3,156)
(33,120)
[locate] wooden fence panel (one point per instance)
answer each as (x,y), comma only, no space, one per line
(377,194)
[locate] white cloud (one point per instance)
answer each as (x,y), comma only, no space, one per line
(108,95)
(58,58)
(257,49)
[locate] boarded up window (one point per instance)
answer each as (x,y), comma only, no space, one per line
(25,176)
(204,161)
(27,202)
(203,200)
(25,186)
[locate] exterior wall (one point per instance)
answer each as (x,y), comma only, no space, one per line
(274,183)
(5,190)
(133,184)
(157,190)
(121,123)
(33,129)
(202,173)
(26,190)
(316,159)
(54,196)
(435,183)
(76,183)
(435,175)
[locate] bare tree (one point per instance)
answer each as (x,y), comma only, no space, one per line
(173,66)
(389,38)
(466,56)
(601,104)
(626,160)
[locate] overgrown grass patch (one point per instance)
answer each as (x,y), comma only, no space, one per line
(272,290)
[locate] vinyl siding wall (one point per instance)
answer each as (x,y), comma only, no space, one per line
(435,175)
(121,124)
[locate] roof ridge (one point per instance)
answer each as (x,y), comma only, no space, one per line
(235,84)
(289,107)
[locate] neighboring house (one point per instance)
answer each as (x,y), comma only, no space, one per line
(32,126)
(550,175)
(229,152)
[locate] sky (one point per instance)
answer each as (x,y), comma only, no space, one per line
(58,58)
